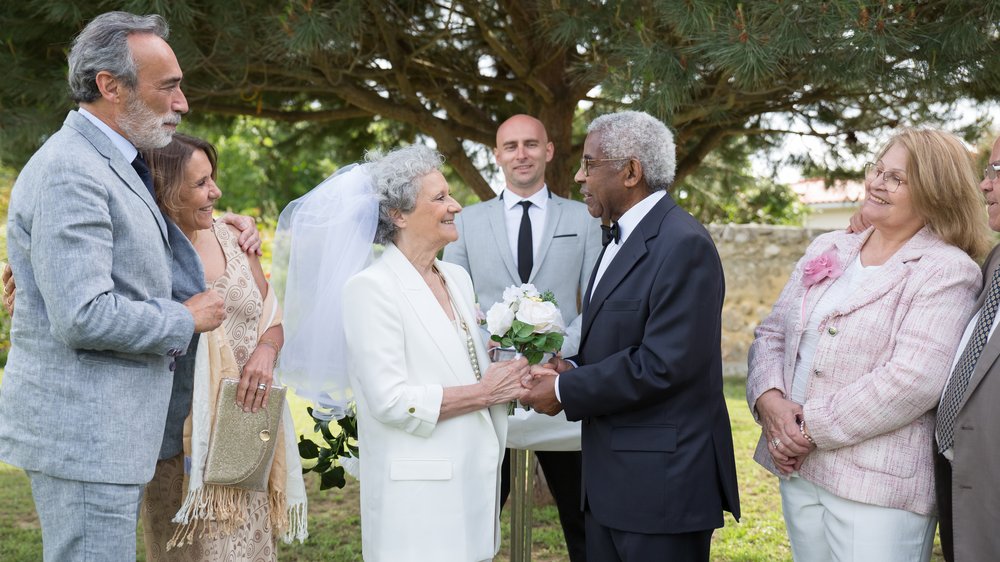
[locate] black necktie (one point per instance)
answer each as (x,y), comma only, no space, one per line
(143,170)
(609,233)
(525,259)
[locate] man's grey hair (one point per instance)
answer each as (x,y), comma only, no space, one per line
(103,45)
(639,135)
(397,178)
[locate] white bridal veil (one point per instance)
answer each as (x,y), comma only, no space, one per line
(323,238)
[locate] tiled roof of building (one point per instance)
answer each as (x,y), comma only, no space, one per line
(816,192)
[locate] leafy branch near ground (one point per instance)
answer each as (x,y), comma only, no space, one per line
(328,458)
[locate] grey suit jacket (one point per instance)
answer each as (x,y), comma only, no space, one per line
(87,383)
(975,493)
(569,249)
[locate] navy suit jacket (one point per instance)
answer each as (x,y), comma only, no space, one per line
(188,280)
(657,444)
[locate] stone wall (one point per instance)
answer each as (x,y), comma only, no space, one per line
(757,260)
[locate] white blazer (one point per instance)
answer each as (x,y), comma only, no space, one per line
(429,489)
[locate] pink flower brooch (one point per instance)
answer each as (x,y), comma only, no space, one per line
(822,266)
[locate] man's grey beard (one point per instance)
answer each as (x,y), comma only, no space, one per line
(144,127)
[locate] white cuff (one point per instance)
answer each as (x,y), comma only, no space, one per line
(559,398)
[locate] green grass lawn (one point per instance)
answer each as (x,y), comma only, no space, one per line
(335,523)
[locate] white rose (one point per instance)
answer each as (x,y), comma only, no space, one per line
(544,316)
(529,290)
(499,319)
(511,295)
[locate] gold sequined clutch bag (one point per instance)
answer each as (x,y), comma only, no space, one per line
(241,448)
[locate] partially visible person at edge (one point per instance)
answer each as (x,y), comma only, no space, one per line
(431,408)
(119,59)
(529,235)
(965,476)
(107,300)
(846,371)
(658,461)
(184,174)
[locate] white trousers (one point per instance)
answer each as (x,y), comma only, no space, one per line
(824,527)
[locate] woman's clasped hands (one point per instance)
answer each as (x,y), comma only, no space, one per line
(502,380)
(780,419)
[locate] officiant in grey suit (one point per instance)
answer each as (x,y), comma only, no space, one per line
(529,235)
(98,326)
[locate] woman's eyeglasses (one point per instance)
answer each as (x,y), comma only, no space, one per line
(890,180)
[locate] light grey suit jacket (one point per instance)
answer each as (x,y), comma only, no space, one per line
(565,259)
(85,391)
(975,492)
(570,246)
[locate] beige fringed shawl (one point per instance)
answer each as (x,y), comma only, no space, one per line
(212,510)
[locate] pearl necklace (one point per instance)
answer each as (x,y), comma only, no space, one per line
(469,343)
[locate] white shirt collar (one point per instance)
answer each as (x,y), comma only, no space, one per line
(539,198)
(633,216)
(127,149)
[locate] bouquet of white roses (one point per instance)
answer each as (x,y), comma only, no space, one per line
(527,321)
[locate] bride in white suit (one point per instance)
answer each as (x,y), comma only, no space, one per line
(431,408)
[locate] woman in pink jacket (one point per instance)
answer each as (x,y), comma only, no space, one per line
(847,369)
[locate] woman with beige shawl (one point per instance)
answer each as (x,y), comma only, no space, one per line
(220,522)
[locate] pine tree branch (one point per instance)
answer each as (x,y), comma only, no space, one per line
(709,140)
(319,116)
(511,59)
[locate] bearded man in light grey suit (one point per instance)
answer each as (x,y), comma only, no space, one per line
(96,331)
(968,458)
(495,247)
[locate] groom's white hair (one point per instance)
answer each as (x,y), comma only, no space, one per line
(639,135)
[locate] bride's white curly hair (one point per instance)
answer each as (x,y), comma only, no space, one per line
(396,176)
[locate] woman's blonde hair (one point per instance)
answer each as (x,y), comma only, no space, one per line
(944,188)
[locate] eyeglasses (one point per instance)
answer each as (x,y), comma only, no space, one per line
(889,179)
(990,173)
(588,163)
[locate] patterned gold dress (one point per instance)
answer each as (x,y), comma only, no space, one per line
(255,541)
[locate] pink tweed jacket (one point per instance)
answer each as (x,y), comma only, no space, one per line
(880,365)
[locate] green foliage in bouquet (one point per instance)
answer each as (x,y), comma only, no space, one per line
(523,337)
(341,446)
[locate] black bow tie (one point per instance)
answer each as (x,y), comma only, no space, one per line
(609,233)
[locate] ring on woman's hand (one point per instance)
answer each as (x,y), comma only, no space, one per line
(776,442)
(261,386)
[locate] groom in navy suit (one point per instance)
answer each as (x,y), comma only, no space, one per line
(658,466)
